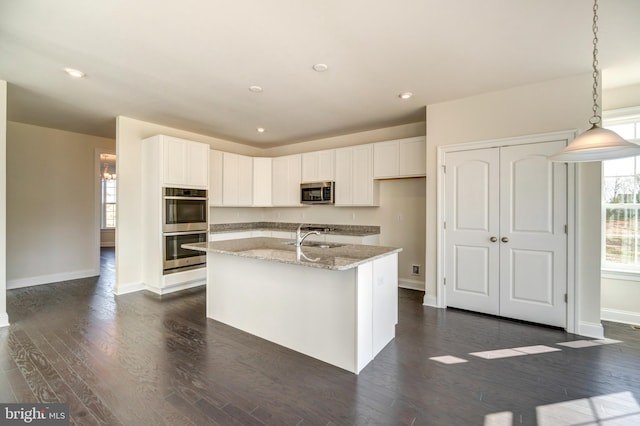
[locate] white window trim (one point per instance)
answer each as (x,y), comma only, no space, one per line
(609,270)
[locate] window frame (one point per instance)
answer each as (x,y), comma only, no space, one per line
(614,270)
(104,203)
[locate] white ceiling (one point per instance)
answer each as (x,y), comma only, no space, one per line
(188,64)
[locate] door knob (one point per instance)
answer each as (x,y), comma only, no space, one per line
(504,239)
(493,239)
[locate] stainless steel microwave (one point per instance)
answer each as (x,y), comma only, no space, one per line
(317,193)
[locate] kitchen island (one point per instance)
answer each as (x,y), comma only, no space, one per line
(334,302)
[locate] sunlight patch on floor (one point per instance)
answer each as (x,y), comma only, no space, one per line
(620,409)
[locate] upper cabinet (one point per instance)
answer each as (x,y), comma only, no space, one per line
(183,163)
(215,177)
(286,177)
(237,180)
(400,158)
(354,177)
(318,166)
(262,170)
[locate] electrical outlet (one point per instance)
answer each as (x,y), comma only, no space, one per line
(415,269)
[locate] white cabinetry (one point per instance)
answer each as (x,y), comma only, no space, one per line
(215,178)
(286,180)
(262,169)
(318,166)
(237,180)
(400,158)
(183,163)
(354,176)
(172,162)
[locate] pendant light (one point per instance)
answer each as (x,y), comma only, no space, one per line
(596,144)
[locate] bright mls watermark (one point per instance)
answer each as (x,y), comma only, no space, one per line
(34,414)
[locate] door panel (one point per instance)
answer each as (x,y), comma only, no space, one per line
(533,214)
(471,213)
(472,270)
(531,269)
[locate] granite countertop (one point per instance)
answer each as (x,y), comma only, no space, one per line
(355,230)
(337,257)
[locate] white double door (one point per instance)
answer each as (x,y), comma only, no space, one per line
(505,236)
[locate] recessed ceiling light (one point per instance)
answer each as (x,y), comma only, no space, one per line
(74,73)
(320,67)
(255,89)
(260,129)
(405,95)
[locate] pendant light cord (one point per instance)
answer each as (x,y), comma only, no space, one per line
(596,118)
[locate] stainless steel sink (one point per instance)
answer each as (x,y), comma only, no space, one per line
(316,244)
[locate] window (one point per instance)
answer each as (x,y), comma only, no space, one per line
(108,189)
(108,203)
(621,198)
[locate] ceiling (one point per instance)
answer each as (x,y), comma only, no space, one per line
(189,64)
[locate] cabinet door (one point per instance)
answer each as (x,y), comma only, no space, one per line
(385,159)
(215,178)
(318,166)
(363,175)
(344,185)
(197,164)
(262,181)
(237,180)
(174,153)
(412,156)
(230,179)
(245,180)
(287,173)
(326,165)
(310,166)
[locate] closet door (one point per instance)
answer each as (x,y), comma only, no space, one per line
(472,230)
(533,242)
(505,241)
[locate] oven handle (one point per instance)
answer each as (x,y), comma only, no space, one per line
(173,234)
(185,198)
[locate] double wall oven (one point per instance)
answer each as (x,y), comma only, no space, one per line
(184,220)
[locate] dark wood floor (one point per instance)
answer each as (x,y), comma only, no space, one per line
(140,359)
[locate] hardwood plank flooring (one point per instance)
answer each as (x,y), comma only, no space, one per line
(143,359)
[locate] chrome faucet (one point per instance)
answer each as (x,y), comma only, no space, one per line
(300,237)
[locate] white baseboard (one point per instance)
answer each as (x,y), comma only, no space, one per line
(121,289)
(173,289)
(52,278)
(411,284)
(4,320)
(590,329)
(430,300)
(625,317)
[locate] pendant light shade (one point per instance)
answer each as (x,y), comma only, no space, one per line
(596,144)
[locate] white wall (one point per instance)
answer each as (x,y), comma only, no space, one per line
(4,319)
(550,106)
(51,220)
(107,238)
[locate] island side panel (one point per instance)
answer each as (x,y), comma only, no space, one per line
(385,301)
(364,328)
(309,310)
